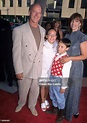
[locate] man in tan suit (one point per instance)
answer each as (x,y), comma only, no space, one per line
(27,58)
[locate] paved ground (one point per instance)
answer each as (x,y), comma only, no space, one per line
(4,86)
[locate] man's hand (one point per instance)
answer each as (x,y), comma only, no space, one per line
(19,76)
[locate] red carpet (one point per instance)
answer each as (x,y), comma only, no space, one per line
(8,103)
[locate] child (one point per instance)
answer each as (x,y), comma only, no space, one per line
(59,74)
(49,51)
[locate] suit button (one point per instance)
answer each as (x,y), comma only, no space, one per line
(29,54)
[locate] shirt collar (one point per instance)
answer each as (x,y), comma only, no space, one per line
(47,44)
(62,54)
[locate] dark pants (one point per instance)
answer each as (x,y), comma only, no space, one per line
(6,67)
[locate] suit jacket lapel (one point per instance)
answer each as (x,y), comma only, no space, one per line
(41,42)
(30,36)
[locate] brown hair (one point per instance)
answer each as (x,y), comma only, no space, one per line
(75,16)
(56,21)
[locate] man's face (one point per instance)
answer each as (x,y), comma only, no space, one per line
(35,14)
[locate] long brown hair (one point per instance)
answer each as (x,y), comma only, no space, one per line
(75,16)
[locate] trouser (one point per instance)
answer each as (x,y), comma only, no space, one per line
(28,86)
(58,99)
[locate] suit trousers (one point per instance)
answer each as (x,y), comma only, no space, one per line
(31,86)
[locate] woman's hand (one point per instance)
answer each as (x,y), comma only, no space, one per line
(65,59)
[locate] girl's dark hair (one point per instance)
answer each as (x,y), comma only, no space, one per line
(66,42)
(48,25)
(75,16)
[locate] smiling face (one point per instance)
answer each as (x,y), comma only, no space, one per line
(35,14)
(51,36)
(75,24)
(62,48)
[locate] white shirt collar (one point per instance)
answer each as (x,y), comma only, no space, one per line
(60,55)
(48,45)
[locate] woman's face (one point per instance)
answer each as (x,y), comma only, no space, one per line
(56,24)
(75,25)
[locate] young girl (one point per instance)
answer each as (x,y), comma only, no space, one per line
(49,50)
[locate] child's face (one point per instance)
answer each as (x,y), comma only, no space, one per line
(62,48)
(51,36)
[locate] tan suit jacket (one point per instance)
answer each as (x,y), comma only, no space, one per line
(26,57)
